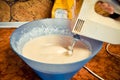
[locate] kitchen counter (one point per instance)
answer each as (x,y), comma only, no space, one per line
(13,68)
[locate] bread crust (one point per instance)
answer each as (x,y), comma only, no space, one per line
(31,10)
(4,11)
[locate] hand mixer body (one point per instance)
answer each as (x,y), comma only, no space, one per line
(92,25)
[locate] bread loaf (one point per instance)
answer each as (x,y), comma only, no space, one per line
(31,10)
(4,11)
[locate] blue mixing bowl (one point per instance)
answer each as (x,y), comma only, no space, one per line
(45,27)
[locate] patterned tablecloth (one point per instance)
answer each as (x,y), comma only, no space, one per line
(13,68)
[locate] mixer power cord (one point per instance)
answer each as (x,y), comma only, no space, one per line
(94,74)
(108,51)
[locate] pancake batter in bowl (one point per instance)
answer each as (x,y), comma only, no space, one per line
(53,49)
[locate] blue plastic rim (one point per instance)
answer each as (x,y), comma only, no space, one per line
(45,27)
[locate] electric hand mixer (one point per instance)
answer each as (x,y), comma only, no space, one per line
(93,25)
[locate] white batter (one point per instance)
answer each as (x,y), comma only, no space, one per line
(53,49)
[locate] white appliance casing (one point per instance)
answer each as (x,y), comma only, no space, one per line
(96,26)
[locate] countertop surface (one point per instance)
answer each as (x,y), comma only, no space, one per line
(13,68)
